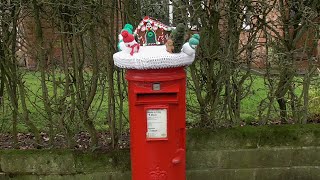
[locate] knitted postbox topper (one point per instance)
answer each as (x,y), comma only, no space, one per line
(153,54)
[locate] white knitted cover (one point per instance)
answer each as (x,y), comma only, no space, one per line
(151,57)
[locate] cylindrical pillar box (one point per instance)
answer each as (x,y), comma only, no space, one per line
(157,110)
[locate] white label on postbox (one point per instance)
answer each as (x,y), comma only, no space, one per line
(157,123)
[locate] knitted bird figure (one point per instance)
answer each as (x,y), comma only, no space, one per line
(131,45)
(190,46)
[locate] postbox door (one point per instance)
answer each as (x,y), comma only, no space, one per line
(164,149)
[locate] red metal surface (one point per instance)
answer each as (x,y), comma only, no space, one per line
(157,158)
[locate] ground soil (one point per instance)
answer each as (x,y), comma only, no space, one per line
(82,140)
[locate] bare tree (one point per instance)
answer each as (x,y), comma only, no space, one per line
(292,39)
(11,76)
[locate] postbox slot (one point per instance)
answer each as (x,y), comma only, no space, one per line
(157,97)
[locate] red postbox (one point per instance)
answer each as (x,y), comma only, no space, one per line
(157,109)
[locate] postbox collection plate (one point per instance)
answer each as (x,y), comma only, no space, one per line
(156,123)
(156,87)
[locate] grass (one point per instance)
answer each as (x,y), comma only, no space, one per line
(258,96)
(32,82)
(98,110)
(249,105)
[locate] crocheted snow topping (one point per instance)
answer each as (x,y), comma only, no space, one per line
(151,57)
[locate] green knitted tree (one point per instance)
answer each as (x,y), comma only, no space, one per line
(178,37)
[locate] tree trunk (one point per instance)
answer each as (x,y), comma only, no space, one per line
(2,79)
(66,91)
(41,55)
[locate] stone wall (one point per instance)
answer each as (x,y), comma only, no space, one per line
(247,153)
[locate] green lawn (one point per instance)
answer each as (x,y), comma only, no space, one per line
(98,111)
(249,105)
(32,82)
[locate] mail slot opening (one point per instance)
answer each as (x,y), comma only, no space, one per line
(149,97)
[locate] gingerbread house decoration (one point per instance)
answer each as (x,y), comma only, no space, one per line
(152,32)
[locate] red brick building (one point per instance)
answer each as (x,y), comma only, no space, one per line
(27,40)
(306,47)
(52,44)
(51,35)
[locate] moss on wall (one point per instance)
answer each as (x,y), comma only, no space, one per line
(236,153)
(253,137)
(67,162)
(102,162)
